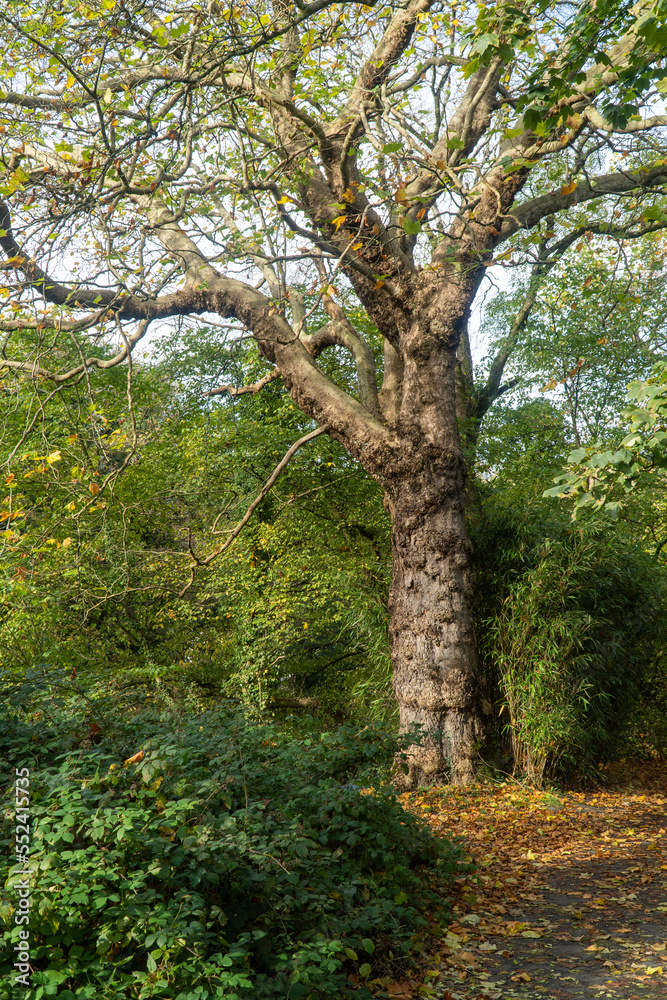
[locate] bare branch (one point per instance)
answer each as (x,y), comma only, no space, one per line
(36,371)
(236,531)
(255,387)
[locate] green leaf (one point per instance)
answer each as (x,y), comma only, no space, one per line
(365,970)
(482,43)
(531,118)
(412,226)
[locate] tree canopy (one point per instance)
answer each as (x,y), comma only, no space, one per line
(324,178)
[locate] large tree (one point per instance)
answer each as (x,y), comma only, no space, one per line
(249,164)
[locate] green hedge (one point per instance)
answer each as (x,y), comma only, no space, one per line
(231,861)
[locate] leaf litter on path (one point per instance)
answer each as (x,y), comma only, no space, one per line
(569,898)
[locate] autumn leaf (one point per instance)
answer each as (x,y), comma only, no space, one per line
(568,188)
(94,489)
(136,758)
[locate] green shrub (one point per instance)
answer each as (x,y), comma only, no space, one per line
(572,623)
(230,861)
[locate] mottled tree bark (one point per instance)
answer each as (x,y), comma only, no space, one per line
(435,668)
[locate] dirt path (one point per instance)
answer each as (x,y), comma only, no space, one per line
(570,896)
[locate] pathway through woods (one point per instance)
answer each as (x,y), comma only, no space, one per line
(570,895)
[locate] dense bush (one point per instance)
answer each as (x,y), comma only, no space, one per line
(572,625)
(229,861)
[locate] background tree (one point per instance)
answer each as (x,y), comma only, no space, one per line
(166,163)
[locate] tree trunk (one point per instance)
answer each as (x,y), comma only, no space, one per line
(436,676)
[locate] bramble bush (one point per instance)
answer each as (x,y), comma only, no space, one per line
(230,861)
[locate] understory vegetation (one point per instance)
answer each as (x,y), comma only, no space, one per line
(227,859)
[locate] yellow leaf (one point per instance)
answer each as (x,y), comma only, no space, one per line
(67,542)
(380,283)
(550,385)
(53,457)
(94,489)
(10,478)
(71,506)
(283,200)
(339,220)
(522,977)
(653,970)
(357,246)
(108,96)
(568,188)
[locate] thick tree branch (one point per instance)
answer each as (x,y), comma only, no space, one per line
(528,214)
(392,45)
(341,332)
